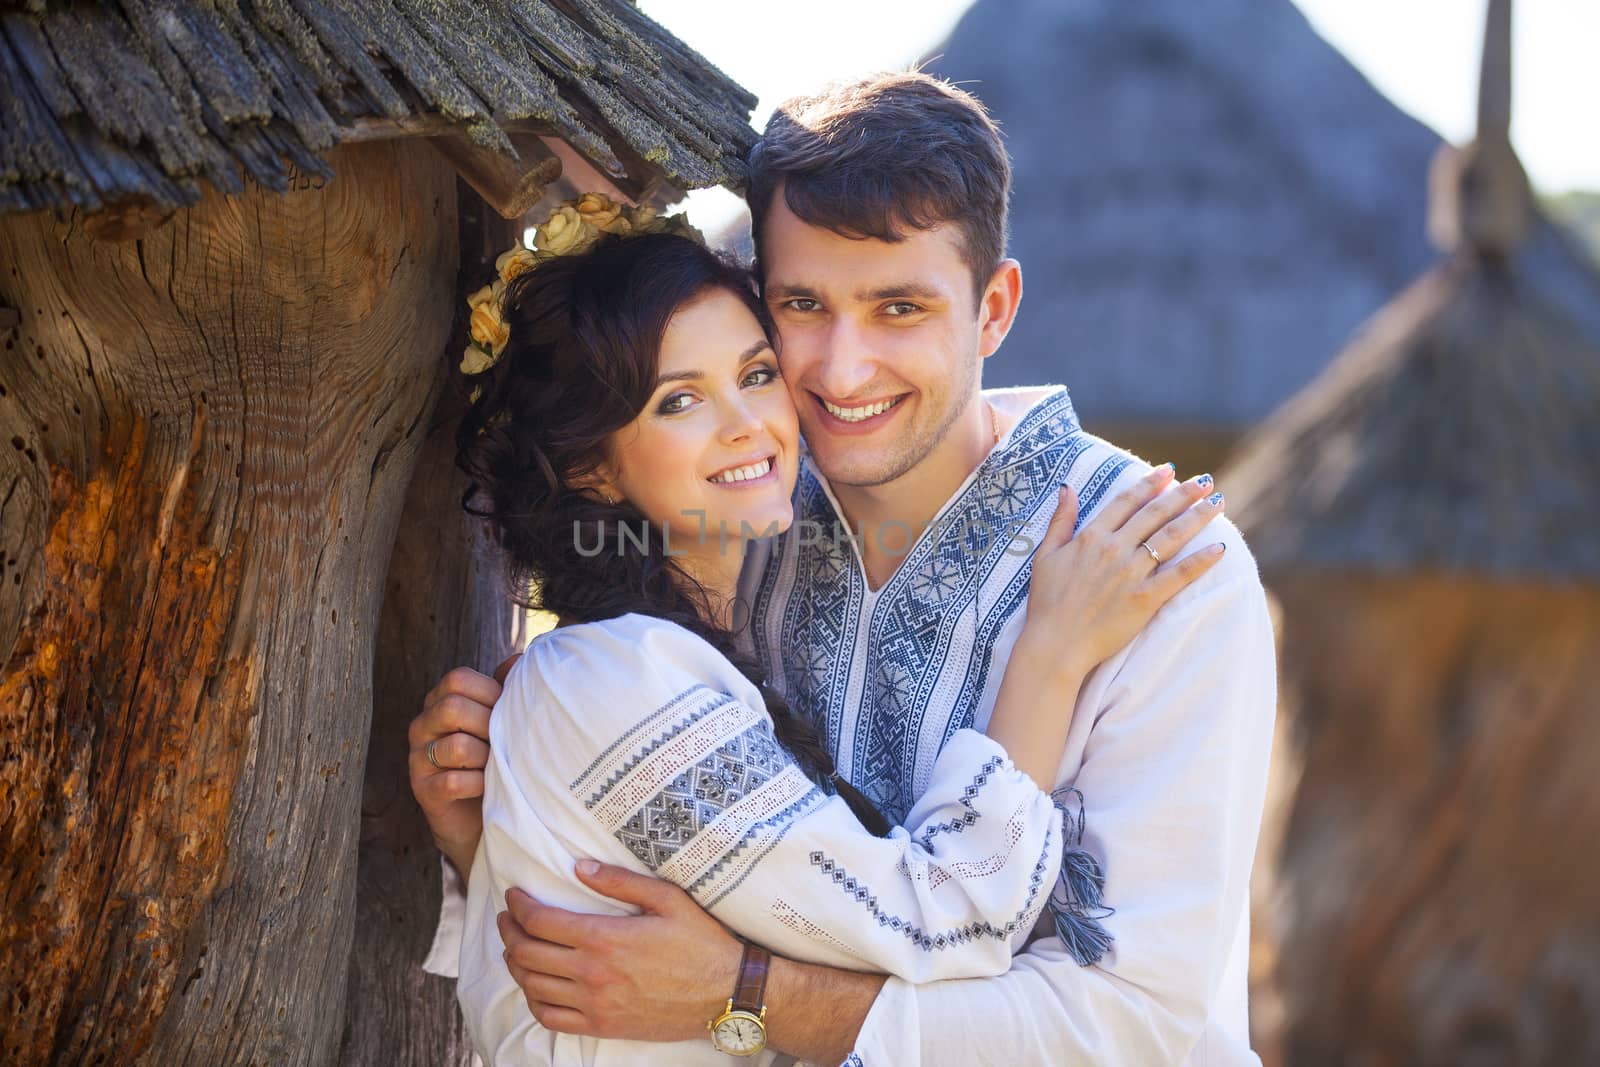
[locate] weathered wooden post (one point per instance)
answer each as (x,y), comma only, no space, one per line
(231,267)
(1427,514)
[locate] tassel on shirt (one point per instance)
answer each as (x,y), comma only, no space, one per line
(1076,904)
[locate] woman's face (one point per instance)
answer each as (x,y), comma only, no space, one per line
(714,454)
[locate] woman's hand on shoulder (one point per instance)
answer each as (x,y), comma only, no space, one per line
(1093,592)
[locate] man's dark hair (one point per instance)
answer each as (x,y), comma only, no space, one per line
(887,154)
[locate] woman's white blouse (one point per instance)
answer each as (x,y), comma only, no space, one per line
(635,743)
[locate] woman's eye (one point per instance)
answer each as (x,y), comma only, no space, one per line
(675,403)
(760,376)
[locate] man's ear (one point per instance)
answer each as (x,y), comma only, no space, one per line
(997,308)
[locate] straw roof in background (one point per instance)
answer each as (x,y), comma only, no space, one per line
(1209,200)
(145,100)
(1460,430)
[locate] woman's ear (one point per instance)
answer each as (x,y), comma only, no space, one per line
(600,484)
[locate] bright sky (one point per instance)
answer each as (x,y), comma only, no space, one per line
(1423,54)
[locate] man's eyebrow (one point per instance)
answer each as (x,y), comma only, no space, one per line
(900,291)
(785,291)
(896,291)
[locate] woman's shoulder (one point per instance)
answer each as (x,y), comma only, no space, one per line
(616,669)
(633,638)
(584,685)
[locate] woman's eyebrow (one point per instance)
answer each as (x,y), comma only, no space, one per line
(697,375)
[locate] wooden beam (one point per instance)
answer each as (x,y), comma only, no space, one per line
(510,186)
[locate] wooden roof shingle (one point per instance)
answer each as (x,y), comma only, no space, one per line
(146,100)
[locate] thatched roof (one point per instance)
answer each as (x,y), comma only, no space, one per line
(144,100)
(1461,429)
(1209,199)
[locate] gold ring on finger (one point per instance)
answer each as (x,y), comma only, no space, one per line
(1153,553)
(432,758)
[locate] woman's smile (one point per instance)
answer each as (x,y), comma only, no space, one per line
(744,475)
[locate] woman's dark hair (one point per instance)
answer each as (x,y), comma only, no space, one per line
(586,332)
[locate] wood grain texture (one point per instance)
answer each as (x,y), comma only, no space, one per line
(217,425)
(444,606)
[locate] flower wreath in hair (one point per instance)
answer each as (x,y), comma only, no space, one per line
(572,228)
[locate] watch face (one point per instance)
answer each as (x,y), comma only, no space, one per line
(740,1033)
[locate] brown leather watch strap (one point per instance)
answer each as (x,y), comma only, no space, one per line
(750,993)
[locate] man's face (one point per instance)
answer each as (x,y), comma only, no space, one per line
(880,342)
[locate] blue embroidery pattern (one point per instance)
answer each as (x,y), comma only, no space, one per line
(970,816)
(917,615)
(785,819)
(685,806)
(710,701)
(862,894)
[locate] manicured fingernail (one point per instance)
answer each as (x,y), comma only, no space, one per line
(587,866)
(1217,550)
(1173,467)
(1204,481)
(1215,499)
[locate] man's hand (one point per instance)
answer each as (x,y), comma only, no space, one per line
(659,976)
(455,721)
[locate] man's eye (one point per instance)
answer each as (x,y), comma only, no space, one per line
(801,303)
(759,376)
(903,307)
(675,403)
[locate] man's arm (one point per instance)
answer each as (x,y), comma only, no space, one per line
(1174,779)
(663,974)
(1173,775)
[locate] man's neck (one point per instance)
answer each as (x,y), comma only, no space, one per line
(893,515)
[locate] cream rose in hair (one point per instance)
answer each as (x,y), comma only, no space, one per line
(571,228)
(513,262)
(564,232)
(488,329)
(603,213)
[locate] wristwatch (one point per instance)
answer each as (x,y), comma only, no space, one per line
(741,1029)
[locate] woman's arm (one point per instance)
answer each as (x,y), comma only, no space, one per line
(697,790)
(1091,592)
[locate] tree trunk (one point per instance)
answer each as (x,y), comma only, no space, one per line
(212,430)
(444,606)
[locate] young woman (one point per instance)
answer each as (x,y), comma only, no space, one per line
(630,436)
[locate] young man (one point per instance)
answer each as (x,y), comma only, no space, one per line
(880,218)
